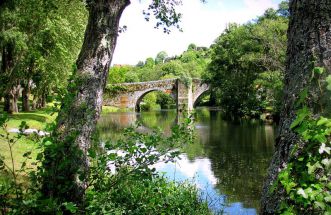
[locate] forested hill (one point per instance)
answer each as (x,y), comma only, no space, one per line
(191,63)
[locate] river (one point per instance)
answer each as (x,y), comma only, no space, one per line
(227,161)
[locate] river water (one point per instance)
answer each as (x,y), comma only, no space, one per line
(227,161)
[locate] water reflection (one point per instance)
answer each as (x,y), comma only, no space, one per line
(227,161)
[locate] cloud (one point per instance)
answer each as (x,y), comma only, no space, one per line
(202,24)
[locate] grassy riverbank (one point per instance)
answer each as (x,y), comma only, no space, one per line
(37,119)
(134,193)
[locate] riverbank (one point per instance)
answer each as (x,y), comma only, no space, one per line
(171,198)
(36,120)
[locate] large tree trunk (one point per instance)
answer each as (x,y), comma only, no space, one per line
(25,96)
(309,46)
(42,100)
(6,103)
(11,105)
(81,109)
(34,102)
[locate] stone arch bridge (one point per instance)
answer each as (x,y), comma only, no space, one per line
(129,95)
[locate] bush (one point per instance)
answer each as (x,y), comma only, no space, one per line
(134,195)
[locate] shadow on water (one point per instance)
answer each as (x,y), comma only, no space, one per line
(228,160)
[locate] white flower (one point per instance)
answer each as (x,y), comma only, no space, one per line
(302,193)
(324,148)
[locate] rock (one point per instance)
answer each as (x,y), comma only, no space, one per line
(29,131)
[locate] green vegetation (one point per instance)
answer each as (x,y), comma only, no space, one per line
(306,178)
(37,119)
(37,53)
(244,66)
(132,186)
(247,65)
(192,63)
(157,196)
(39,43)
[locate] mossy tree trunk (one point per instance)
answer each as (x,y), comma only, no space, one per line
(82,106)
(309,46)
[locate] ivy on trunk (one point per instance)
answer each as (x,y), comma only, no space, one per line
(309,46)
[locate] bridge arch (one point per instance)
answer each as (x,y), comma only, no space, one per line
(200,89)
(195,102)
(141,96)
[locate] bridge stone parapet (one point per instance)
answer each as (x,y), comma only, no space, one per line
(129,95)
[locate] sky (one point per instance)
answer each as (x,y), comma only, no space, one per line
(201,24)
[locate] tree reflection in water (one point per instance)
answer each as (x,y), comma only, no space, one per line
(228,160)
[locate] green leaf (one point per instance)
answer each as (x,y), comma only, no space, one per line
(312,168)
(301,115)
(70,207)
(302,97)
(92,153)
(27,154)
(328,80)
(327,163)
(323,121)
(327,198)
(289,186)
(320,205)
(48,143)
(320,138)
(319,70)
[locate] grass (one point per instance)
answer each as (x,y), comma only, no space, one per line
(22,146)
(37,119)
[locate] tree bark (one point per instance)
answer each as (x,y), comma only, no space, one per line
(43,100)
(6,103)
(11,105)
(309,46)
(25,96)
(81,109)
(34,102)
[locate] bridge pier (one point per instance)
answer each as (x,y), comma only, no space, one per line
(184,96)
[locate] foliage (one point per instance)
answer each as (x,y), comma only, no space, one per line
(37,54)
(133,195)
(113,90)
(247,66)
(122,179)
(149,102)
(306,179)
(161,57)
(136,188)
(120,74)
(20,187)
(164,100)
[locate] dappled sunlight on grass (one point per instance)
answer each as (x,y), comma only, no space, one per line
(22,146)
(34,119)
